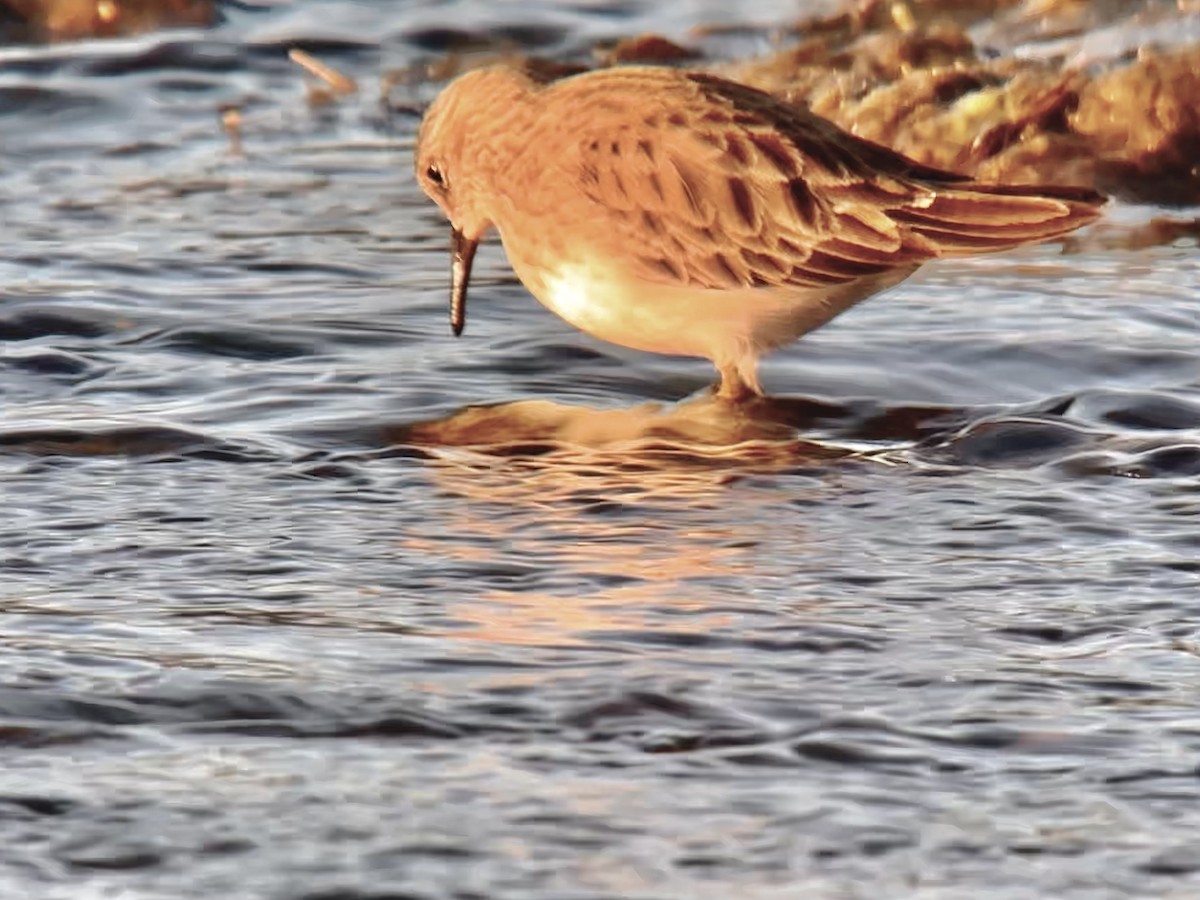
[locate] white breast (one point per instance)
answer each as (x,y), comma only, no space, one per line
(574,297)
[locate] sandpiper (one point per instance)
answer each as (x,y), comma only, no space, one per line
(678,212)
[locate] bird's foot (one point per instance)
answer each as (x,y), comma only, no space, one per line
(734,387)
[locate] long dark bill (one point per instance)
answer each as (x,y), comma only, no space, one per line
(462,254)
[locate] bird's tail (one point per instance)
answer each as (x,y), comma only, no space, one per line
(968,218)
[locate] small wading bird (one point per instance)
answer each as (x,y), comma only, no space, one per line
(677,212)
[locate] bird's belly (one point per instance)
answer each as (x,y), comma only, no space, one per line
(718,324)
(682,321)
(691,321)
(630,314)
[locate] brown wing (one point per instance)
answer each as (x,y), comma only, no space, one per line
(722,186)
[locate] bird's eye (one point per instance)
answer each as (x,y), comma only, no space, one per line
(434,174)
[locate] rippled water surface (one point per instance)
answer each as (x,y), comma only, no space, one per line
(277,624)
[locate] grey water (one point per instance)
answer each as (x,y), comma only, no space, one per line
(303,599)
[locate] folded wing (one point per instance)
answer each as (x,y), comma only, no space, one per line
(722,186)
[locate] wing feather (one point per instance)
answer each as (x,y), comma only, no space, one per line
(722,186)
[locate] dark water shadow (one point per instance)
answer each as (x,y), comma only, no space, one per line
(144,441)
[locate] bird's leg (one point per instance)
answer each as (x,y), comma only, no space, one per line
(738,381)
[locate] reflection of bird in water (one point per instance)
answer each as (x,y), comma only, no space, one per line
(700,433)
(537,452)
(700,422)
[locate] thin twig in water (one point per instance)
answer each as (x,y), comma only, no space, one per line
(338,83)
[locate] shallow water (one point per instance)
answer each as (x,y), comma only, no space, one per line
(276,626)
